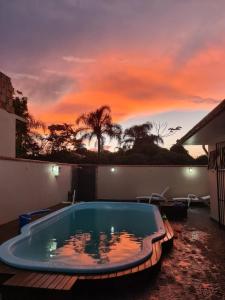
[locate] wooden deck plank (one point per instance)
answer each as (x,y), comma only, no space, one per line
(142,267)
(169,229)
(112,275)
(70,283)
(158,249)
(105,276)
(38,283)
(153,257)
(148,263)
(81,277)
(63,282)
(55,282)
(127,272)
(119,274)
(35,279)
(135,269)
(27,279)
(49,281)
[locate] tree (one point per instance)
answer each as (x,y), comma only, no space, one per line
(139,134)
(202,160)
(61,138)
(161,129)
(27,139)
(178,148)
(98,125)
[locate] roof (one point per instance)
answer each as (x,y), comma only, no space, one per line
(210,126)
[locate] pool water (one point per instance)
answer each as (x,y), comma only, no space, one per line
(90,237)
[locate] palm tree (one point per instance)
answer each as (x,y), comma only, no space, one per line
(137,134)
(98,124)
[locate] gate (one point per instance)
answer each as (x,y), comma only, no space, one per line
(86,183)
(220,167)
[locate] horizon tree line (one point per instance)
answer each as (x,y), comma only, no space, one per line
(96,125)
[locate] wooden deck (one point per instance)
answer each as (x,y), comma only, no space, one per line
(16,280)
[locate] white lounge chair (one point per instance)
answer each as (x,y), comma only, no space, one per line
(191,198)
(154,196)
(201,199)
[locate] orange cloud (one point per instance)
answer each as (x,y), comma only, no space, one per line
(135,86)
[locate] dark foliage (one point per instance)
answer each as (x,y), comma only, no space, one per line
(63,143)
(26,140)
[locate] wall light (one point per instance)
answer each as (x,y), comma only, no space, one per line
(55,170)
(190,170)
(112,229)
(52,245)
(113,170)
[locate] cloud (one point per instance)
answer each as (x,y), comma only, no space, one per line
(141,87)
(200,100)
(80,60)
(70,108)
(137,56)
(48,88)
(23,76)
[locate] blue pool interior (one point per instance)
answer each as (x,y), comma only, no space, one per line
(87,237)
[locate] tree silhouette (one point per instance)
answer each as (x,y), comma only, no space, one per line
(161,129)
(179,148)
(137,134)
(28,140)
(98,125)
(61,138)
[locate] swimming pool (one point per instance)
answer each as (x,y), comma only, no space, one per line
(91,237)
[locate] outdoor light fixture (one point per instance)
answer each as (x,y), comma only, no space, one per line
(52,245)
(113,170)
(112,229)
(55,170)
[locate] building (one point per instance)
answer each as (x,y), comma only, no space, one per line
(7,118)
(211,131)
(6,93)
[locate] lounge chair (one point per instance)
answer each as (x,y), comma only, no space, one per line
(154,196)
(191,198)
(201,199)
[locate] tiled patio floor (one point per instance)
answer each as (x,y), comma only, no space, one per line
(193,269)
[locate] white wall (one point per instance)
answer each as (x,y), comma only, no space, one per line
(127,182)
(27,186)
(7,134)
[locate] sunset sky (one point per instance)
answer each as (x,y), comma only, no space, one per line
(148,60)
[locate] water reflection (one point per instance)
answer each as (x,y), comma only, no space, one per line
(90,237)
(105,247)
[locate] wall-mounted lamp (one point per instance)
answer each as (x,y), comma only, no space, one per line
(112,229)
(113,170)
(52,245)
(190,170)
(55,170)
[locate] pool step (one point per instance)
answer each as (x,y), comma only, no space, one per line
(43,281)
